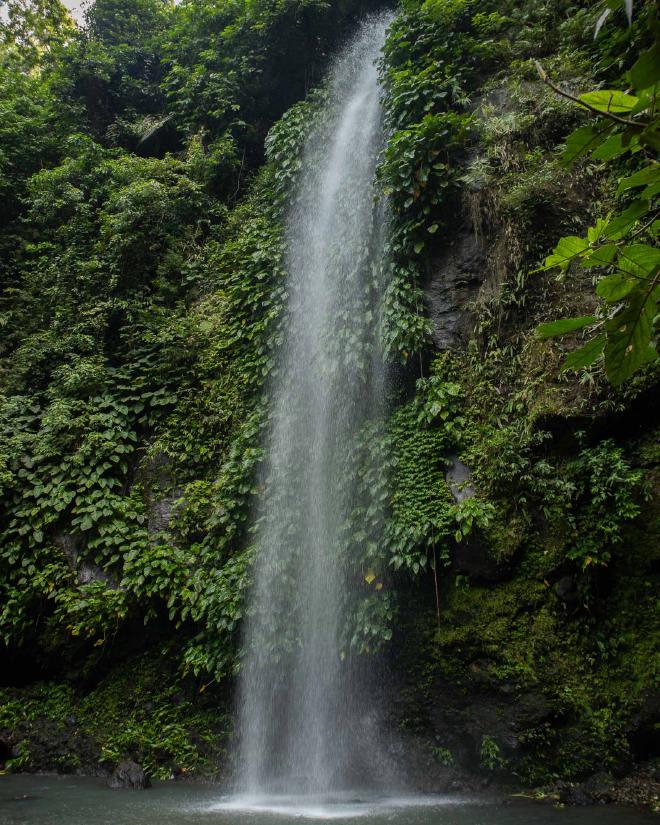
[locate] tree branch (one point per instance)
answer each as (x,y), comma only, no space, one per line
(544,77)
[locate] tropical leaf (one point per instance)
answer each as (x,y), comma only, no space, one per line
(614,146)
(629,337)
(649,176)
(646,70)
(640,260)
(621,225)
(602,256)
(586,355)
(610,101)
(564,326)
(568,248)
(615,287)
(582,141)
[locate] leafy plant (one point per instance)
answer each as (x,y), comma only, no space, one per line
(490,755)
(620,247)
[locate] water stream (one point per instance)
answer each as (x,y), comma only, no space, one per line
(302,728)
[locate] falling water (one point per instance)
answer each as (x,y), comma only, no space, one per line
(303,724)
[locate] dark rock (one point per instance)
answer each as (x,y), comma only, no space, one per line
(86,572)
(455,279)
(129,774)
(156,477)
(160,513)
(471,557)
(53,747)
(600,787)
(566,590)
(571,794)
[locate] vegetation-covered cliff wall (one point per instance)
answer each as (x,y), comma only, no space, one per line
(145,162)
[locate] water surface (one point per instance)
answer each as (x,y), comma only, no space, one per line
(58,800)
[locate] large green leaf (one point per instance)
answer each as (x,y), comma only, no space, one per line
(586,355)
(568,248)
(651,136)
(646,70)
(621,225)
(615,146)
(610,100)
(649,176)
(629,336)
(602,256)
(584,140)
(564,326)
(615,287)
(640,260)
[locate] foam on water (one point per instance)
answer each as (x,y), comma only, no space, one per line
(337,806)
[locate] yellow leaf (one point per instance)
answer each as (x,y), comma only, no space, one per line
(379,586)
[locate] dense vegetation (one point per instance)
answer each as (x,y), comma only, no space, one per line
(145,161)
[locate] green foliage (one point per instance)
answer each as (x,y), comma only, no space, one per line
(102,413)
(621,247)
(234,68)
(489,754)
(140,711)
(31,30)
(425,68)
(443,756)
(607,493)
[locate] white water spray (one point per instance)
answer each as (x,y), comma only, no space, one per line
(303,726)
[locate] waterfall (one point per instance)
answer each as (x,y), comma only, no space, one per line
(303,723)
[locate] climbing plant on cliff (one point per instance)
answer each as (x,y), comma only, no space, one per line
(621,247)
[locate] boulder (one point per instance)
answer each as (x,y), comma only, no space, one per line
(129,774)
(459,479)
(571,793)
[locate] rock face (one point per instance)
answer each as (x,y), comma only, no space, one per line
(459,479)
(456,276)
(129,775)
(86,571)
(52,747)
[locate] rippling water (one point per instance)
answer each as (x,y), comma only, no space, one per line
(58,800)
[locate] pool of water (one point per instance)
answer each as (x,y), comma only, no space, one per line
(56,800)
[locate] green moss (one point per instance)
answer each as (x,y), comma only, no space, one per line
(141,710)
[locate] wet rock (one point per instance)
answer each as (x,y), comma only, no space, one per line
(530,710)
(162,496)
(456,276)
(53,747)
(471,557)
(572,794)
(600,787)
(160,514)
(86,572)
(129,775)
(459,479)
